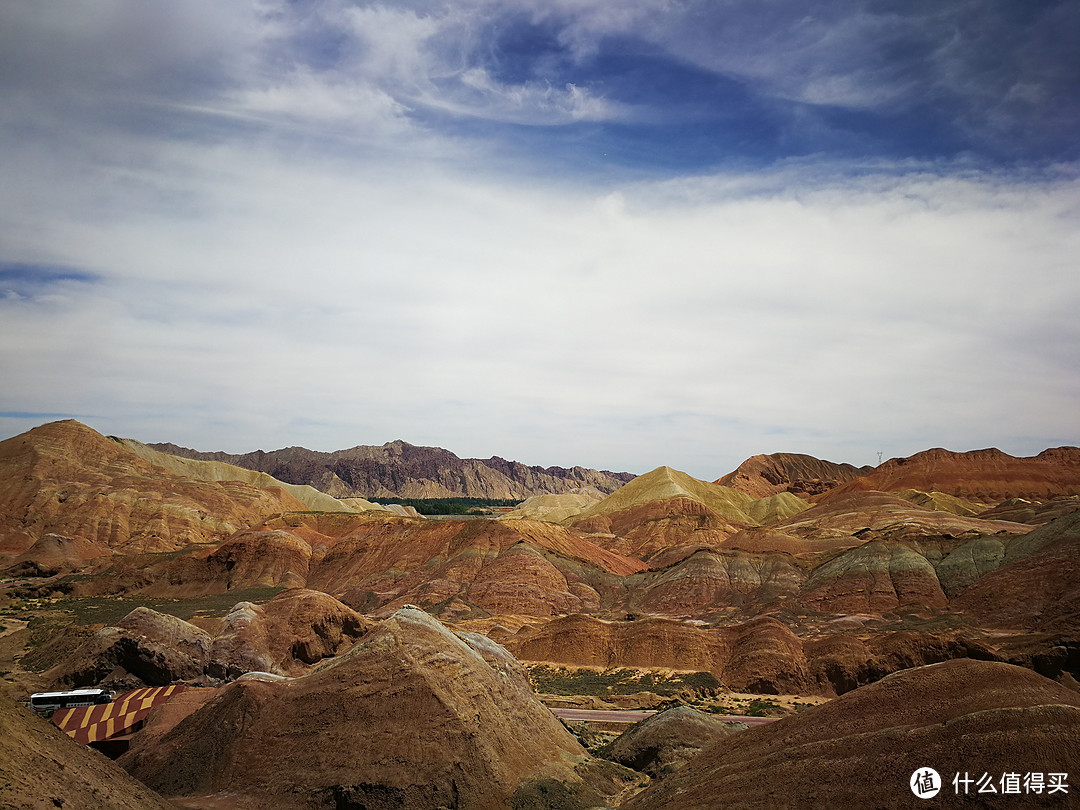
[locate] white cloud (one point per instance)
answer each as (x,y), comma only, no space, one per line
(550,324)
(287,257)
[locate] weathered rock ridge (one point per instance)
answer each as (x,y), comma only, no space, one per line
(411,716)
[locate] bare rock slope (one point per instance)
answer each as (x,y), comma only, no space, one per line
(41,767)
(662,744)
(861,749)
(66,479)
(412,716)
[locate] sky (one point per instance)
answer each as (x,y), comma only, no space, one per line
(610,233)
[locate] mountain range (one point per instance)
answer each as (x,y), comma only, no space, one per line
(402,470)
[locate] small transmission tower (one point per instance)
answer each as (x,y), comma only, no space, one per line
(879,458)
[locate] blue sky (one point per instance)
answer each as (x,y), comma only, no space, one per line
(615,234)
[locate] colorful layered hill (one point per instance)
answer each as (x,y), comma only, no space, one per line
(958,718)
(43,767)
(71,494)
(666,508)
(984,476)
(68,481)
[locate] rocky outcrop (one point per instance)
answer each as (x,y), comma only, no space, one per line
(400,469)
(760,656)
(411,716)
(663,743)
(145,648)
(581,640)
(256,558)
(941,502)
(260,558)
(285,636)
(766,658)
(761,476)
(658,528)
(521,581)
(845,520)
(518,566)
(1021,510)
(57,550)
(845,662)
(861,750)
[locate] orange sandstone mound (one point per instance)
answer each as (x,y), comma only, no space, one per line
(985,476)
(65,479)
(802,475)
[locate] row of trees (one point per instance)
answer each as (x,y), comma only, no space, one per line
(447,506)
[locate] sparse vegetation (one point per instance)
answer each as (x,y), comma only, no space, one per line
(561,681)
(763,708)
(110,609)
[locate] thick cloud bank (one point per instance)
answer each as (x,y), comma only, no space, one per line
(613,234)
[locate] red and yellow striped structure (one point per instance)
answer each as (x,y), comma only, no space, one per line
(88,724)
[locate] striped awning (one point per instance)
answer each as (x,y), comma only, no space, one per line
(89,724)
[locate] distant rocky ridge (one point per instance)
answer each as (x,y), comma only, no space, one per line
(984,476)
(402,470)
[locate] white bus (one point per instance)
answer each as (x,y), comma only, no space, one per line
(45,703)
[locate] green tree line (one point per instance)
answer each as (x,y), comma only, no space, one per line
(447,506)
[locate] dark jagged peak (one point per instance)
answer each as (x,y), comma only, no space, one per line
(404,470)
